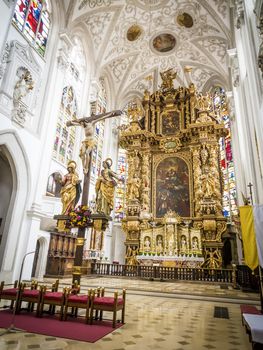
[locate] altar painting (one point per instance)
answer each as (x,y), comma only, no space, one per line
(170,122)
(172,187)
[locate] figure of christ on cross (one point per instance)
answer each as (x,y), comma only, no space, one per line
(86,155)
(89,142)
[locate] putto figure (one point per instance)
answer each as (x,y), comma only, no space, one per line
(105,186)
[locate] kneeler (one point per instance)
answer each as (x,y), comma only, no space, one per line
(105,303)
(77,301)
(52,299)
(10,294)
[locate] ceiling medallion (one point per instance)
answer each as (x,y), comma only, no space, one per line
(134,32)
(164,42)
(185,20)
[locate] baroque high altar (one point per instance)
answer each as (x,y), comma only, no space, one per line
(174,186)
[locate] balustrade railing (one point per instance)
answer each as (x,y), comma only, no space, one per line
(164,273)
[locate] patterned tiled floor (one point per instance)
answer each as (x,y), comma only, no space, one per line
(162,320)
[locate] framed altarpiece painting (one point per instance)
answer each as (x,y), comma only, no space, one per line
(170,122)
(172,185)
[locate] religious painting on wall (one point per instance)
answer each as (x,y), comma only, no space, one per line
(170,122)
(172,187)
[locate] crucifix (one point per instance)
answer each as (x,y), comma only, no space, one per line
(250,192)
(86,156)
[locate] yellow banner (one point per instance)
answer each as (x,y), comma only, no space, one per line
(248,236)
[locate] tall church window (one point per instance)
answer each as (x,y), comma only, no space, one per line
(32,19)
(65,136)
(229,201)
(97,107)
(122,170)
(121,187)
(54,185)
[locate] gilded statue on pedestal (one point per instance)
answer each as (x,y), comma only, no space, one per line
(70,190)
(105,186)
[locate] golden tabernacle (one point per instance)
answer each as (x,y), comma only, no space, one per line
(174,195)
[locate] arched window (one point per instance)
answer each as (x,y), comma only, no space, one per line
(65,136)
(54,185)
(32,19)
(122,170)
(97,107)
(229,201)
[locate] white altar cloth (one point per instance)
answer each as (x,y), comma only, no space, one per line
(255,324)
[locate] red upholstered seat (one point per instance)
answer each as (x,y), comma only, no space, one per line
(77,301)
(54,299)
(9,291)
(107,301)
(31,293)
(113,304)
(78,298)
(53,296)
(31,296)
(11,294)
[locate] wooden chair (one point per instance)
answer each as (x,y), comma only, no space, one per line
(112,304)
(10,293)
(53,299)
(54,288)
(32,296)
(77,301)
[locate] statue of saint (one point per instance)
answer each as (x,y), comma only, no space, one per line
(70,190)
(208,183)
(134,188)
(23,85)
(195,243)
(131,256)
(105,186)
(147,244)
(159,246)
(183,243)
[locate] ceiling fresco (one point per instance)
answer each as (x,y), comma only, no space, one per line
(132,41)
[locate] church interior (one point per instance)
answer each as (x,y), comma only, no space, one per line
(131,155)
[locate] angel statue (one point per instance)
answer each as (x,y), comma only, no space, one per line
(167,77)
(105,186)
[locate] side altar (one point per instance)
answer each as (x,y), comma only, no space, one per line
(174,185)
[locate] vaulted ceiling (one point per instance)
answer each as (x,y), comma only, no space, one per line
(199,31)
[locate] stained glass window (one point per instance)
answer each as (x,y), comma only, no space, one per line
(121,187)
(229,200)
(97,107)
(54,185)
(65,136)
(122,170)
(32,19)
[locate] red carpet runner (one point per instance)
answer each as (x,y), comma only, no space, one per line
(75,329)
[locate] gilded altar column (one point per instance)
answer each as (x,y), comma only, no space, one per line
(145,103)
(197,172)
(145,184)
(153,119)
(214,174)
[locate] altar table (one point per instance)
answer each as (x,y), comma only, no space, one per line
(254,324)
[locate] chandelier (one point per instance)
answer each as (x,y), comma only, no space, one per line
(94,3)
